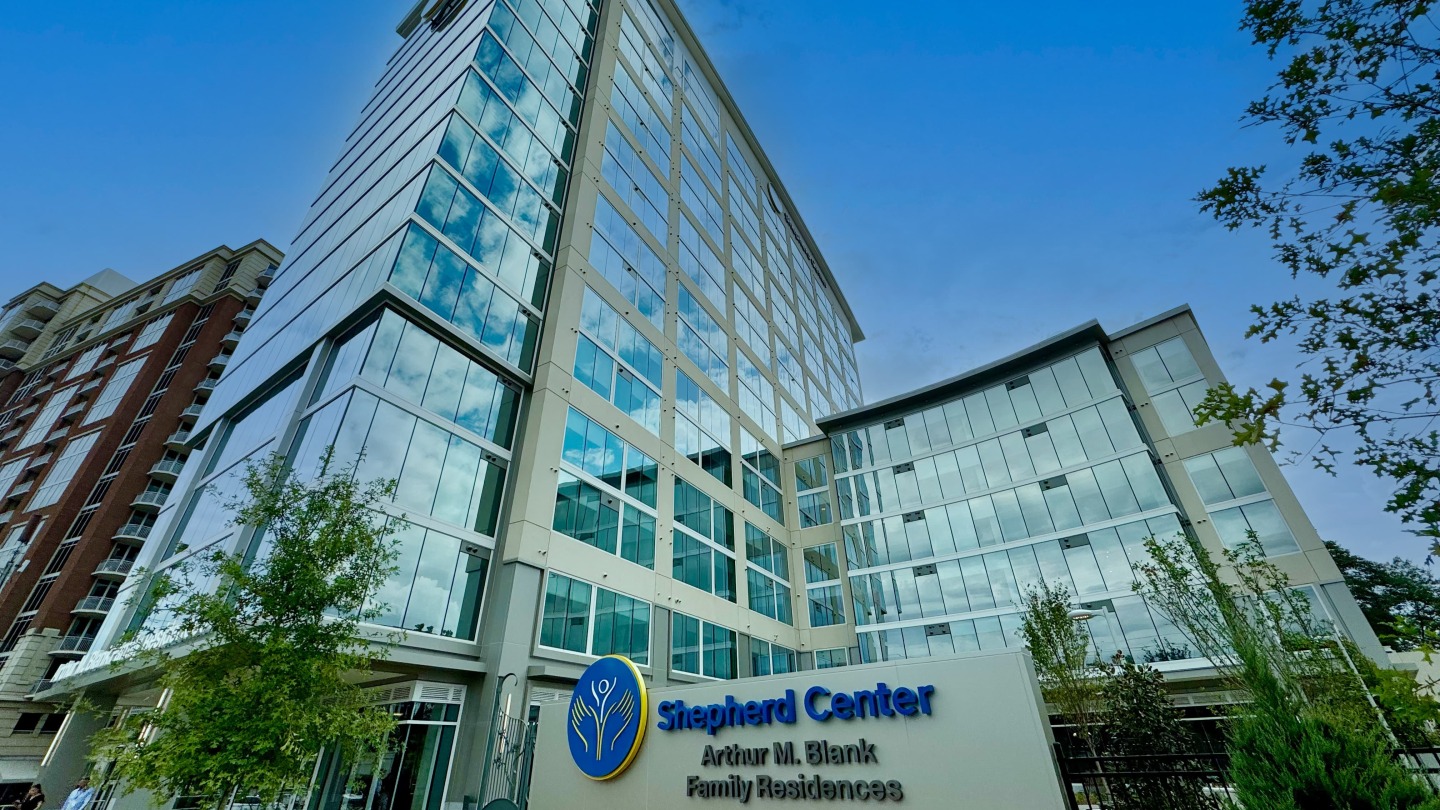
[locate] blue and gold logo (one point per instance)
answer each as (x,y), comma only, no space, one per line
(607,717)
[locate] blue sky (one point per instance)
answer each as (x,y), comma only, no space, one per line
(978,175)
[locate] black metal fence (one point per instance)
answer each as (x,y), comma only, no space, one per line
(1191,781)
(1195,781)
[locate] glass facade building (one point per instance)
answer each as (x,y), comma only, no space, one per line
(555,289)
(1054,465)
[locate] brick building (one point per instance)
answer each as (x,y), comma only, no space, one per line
(99,384)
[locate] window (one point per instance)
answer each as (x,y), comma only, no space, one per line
(460,215)
(770,659)
(701,264)
(482,106)
(701,648)
(652,71)
(631,267)
(703,341)
(633,181)
(822,585)
(1262,518)
(830,659)
(151,332)
(438,472)
(1238,502)
(752,327)
(606,493)
(702,428)
(115,389)
(438,585)
(85,362)
(812,483)
(747,265)
(767,574)
(1165,364)
(1177,407)
(448,286)
(705,153)
(1224,475)
(63,470)
(760,476)
(704,542)
(181,286)
(792,424)
(615,361)
(641,118)
(584,618)
(45,419)
(9,473)
(413,364)
(697,90)
(757,394)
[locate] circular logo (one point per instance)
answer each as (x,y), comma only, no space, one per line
(607,717)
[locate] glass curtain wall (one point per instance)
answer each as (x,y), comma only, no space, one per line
(949,514)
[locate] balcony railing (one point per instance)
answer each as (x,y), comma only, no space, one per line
(94,604)
(40,686)
(74,645)
(192,412)
(150,500)
(14,349)
(134,533)
(178,438)
(41,308)
(27,328)
(114,568)
(167,469)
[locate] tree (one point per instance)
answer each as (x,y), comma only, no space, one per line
(1359,92)
(269,680)
(1060,648)
(1308,737)
(1139,719)
(1400,599)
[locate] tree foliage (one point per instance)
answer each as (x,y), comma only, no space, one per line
(1139,719)
(1308,737)
(1060,648)
(1358,91)
(1400,599)
(267,681)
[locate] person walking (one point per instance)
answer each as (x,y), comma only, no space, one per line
(80,797)
(34,799)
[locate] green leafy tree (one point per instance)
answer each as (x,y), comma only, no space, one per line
(1400,599)
(1139,719)
(1308,737)
(1060,648)
(276,644)
(1358,93)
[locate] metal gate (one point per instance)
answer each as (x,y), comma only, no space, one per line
(510,752)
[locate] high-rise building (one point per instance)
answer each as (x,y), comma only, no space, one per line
(554,287)
(104,380)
